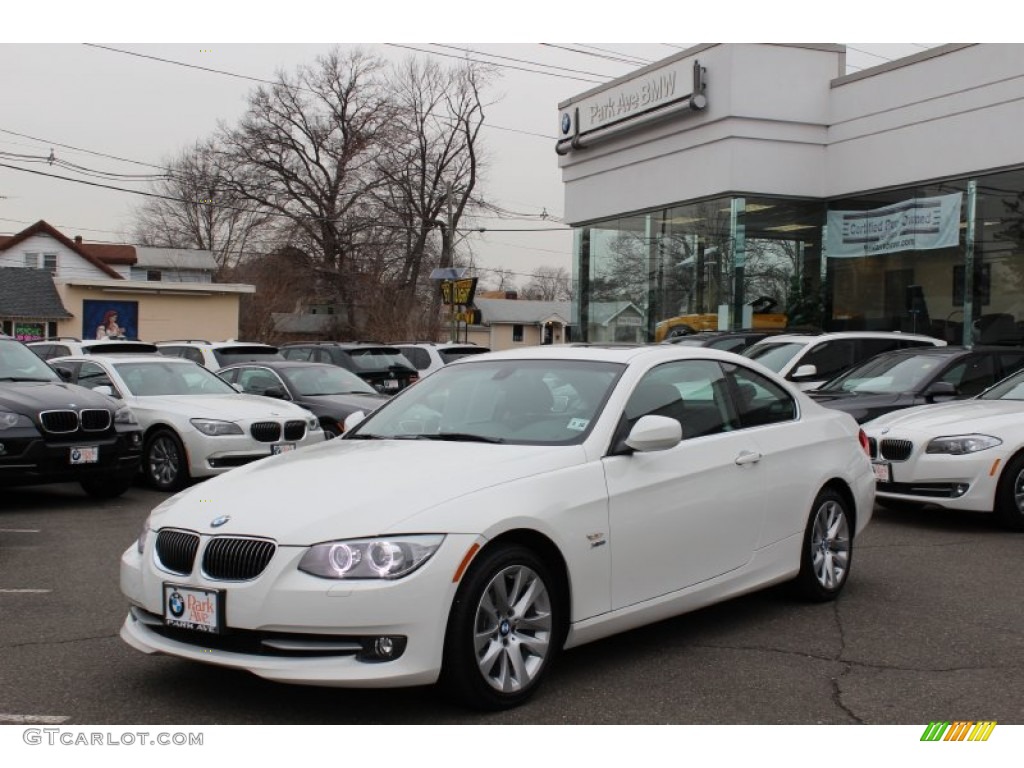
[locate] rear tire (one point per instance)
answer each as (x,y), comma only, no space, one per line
(1009,506)
(827,548)
(504,630)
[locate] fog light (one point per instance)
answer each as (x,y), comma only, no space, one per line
(384,647)
(959,489)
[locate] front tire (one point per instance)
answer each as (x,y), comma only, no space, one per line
(106,486)
(827,548)
(165,462)
(1009,506)
(504,630)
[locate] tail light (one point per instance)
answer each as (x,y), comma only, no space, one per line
(864,442)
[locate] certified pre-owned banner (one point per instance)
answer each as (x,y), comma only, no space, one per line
(921,224)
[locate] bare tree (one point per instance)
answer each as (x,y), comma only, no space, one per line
(197,209)
(549,284)
(305,151)
(430,171)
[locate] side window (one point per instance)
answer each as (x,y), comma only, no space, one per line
(256,381)
(45,351)
(230,376)
(91,375)
(420,358)
(693,392)
(759,400)
(296,353)
(830,358)
(59,350)
(972,375)
(171,351)
(1010,362)
(871,347)
(193,354)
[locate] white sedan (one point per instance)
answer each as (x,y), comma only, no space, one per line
(967,454)
(195,424)
(506,507)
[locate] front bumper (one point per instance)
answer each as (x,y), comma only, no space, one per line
(294,608)
(26,458)
(967,482)
(209,456)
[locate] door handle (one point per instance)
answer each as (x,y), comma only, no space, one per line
(748,457)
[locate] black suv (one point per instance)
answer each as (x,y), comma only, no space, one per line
(381,366)
(54,432)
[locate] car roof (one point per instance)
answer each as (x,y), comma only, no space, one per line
(614,353)
(127,357)
(278,364)
(807,338)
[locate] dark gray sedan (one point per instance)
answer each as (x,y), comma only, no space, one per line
(330,392)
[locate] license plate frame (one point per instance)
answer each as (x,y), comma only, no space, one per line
(278,448)
(882,470)
(391,385)
(193,608)
(84,454)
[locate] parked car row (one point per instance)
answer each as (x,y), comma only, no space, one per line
(181,410)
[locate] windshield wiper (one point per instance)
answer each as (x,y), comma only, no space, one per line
(462,437)
(23,378)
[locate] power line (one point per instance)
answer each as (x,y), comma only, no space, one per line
(639,59)
(249,210)
(631,62)
(521,61)
(544,136)
(502,66)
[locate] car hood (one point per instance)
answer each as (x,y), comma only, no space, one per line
(224,407)
(30,397)
(948,418)
(353,488)
(852,402)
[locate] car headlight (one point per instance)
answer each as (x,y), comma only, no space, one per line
(9,420)
(124,415)
(957,445)
(312,425)
(214,428)
(386,557)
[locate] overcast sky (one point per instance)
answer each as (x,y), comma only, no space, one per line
(57,91)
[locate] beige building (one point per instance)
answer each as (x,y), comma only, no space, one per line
(512,323)
(114,290)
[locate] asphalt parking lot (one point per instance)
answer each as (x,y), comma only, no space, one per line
(929,628)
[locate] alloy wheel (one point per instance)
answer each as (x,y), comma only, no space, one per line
(830,544)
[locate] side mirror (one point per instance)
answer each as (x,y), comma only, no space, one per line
(941,389)
(64,373)
(654,433)
(353,419)
(105,389)
(804,372)
(276,392)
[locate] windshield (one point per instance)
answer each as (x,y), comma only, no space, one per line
(1011,388)
(160,378)
(526,402)
(19,363)
(887,374)
(378,359)
(313,380)
(774,354)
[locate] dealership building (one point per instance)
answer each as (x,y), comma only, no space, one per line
(887,199)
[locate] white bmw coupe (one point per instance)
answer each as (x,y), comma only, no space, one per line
(506,507)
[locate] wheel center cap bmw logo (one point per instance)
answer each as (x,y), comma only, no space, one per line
(217,522)
(176,604)
(505,628)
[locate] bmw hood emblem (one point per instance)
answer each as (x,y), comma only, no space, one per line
(217,522)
